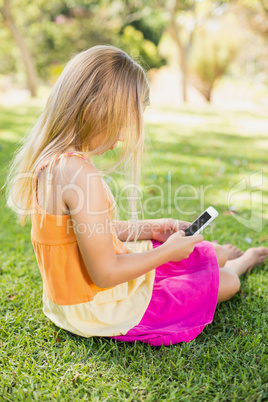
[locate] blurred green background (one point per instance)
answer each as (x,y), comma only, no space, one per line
(194,50)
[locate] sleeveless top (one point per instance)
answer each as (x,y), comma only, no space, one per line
(71,300)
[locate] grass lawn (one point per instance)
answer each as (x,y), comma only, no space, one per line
(210,151)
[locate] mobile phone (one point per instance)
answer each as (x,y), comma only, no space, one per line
(201,222)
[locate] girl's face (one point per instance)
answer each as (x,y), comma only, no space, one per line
(120,136)
(98,140)
(119,139)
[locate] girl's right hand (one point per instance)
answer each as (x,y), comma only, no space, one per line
(180,246)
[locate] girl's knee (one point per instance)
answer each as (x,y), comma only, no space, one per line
(235,283)
(229,285)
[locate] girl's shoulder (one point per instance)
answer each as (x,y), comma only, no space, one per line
(79,158)
(76,168)
(63,174)
(80,171)
(74,160)
(71,161)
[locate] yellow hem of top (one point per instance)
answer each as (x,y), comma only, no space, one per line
(112,312)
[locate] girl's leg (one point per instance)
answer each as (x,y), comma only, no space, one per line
(229,285)
(229,274)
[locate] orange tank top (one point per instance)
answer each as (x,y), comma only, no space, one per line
(66,280)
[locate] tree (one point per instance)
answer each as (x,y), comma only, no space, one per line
(255,13)
(185,16)
(9,22)
(211,56)
(141,27)
(57,30)
(175,28)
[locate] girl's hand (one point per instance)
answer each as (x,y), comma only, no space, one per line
(163,228)
(180,246)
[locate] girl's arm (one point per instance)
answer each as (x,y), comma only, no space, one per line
(92,226)
(157,229)
(124,228)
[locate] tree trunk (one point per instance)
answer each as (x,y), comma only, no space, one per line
(204,88)
(207,95)
(174,30)
(183,62)
(184,71)
(26,56)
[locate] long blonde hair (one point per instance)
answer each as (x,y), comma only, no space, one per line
(101,90)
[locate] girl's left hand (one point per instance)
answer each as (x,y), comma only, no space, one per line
(165,227)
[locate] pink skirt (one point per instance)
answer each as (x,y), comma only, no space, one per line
(183,302)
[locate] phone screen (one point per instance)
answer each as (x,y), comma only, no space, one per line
(197,224)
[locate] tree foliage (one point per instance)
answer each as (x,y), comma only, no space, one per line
(211,56)
(56,30)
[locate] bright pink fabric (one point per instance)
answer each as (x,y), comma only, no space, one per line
(183,302)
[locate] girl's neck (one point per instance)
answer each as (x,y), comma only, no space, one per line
(70,149)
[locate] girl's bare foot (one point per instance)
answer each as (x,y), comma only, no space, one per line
(233,251)
(257,256)
(245,263)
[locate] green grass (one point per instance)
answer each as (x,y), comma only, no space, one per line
(228,360)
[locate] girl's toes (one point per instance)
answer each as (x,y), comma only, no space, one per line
(263,254)
(233,251)
(240,253)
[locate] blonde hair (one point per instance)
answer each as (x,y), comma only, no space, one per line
(101,90)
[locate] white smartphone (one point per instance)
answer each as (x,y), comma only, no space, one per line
(201,222)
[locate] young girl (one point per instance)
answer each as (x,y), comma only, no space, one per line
(97,279)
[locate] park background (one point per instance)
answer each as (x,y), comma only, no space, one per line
(207,126)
